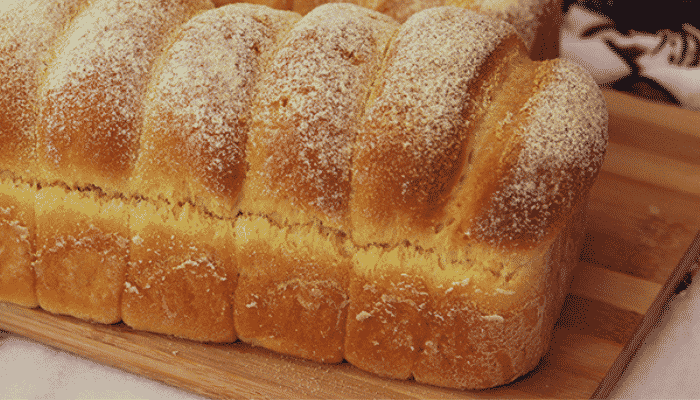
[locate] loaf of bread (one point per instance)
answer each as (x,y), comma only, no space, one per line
(407,197)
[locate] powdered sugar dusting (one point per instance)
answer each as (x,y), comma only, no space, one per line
(416,114)
(29,28)
(436,56)
(93,93)
(309,103)
(563,148)
(202,96)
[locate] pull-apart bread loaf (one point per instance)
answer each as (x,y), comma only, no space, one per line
(408,197)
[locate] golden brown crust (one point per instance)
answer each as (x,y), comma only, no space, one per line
(417,126)
(17,241)
(292,295)
(24,52)
(82,250)
(305,112)
(197,111)
(181,275)
(482,241)
(90,110)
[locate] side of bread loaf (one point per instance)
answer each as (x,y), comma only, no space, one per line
(190,171)
(409,197)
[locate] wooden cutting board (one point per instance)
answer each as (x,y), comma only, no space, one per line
(640,243)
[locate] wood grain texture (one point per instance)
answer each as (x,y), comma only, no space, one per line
(643,217)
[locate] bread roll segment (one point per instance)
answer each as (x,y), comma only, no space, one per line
(556,160)
(82,250)
(305,116)
(190,171)
(92,94)
(198,107)
(292,295)
(460,190)
(29,31)
(411,148)
(306,113)
(419,123)
(87,138)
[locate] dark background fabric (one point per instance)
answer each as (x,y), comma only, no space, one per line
(644,16)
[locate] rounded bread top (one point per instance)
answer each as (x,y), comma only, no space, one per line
(90,102)
(465,139)
(28,31)
(306,111)
(409,152)
(197,108)
(561,133)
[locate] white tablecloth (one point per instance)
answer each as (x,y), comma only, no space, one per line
(668,363)
(30,370)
